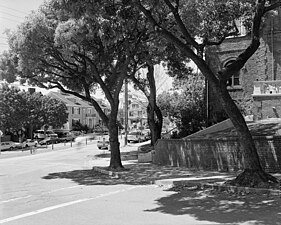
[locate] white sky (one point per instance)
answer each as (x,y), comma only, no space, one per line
(12,13)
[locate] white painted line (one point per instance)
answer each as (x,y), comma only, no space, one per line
(60,189)
(15,199)
(28,196)
(62,205)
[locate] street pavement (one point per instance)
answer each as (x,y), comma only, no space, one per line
(58,186)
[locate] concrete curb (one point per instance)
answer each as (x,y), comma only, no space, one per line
(106,172)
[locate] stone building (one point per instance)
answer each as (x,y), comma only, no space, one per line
(257,87)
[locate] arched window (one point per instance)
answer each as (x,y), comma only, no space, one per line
(235,79)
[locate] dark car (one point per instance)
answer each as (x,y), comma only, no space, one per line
(65,137)
(49,140)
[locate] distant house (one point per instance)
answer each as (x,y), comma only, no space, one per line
(79,110)
(137,116)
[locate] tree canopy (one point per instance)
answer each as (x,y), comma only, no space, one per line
(77,46)
(185,105)
(20,109)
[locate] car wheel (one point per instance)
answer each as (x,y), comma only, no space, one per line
(11,148)
(26,146)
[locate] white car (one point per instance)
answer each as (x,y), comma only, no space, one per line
(136,136)
(103,142)
(29,143)
(7,145)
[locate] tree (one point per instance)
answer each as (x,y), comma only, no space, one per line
(77,126)
(13,111)
(77,46)
(192,26)
(148,87)
(152,54)
(185,104)
(20,109)
(8,70)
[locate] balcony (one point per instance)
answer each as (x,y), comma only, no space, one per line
(267,90)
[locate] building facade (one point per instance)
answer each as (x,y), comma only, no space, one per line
(80,111)
(137,115)
(256,87)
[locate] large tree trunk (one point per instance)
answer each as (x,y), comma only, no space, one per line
(155,122)
(115,160)
(253,174)
(155,117)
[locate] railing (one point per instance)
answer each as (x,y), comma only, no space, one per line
(267,87)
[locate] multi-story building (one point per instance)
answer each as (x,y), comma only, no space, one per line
(256,87)
(137,116)
(79,110)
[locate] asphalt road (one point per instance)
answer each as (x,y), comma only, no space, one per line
(51,189)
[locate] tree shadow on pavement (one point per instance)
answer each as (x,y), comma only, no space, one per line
(223,207)
(134,174)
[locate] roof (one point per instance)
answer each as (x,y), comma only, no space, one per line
(70,100)
(267,127)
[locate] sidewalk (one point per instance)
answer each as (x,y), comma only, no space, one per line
(171,177)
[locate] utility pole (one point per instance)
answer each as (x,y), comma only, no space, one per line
(126,112)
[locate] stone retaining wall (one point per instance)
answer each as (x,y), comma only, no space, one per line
(222,154)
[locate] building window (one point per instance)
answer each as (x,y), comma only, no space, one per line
(76,110)
(233,81)
(135,106)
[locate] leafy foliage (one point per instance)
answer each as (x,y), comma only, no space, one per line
(77,126)
(8,71)
(20,109)
(185,105)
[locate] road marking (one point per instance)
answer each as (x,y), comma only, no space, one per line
(60,189)
(28,196)
(15,199)
(63,205)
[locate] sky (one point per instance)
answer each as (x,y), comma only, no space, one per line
(12,13)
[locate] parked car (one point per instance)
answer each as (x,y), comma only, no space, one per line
(147,134)
(136,136)
(29,143)
(7,145)
(64,137)
(103,142)
(41,134)
(52,139)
